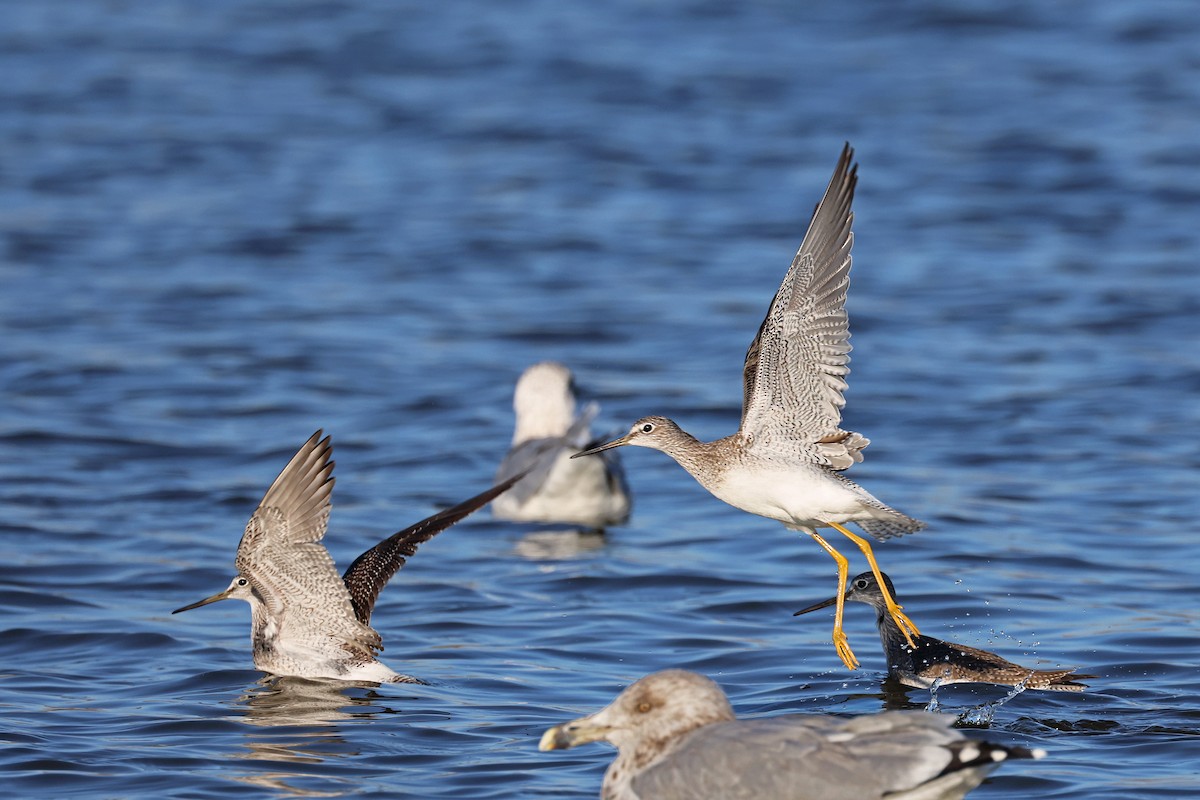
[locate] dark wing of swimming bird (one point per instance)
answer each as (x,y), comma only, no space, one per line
(370,572)
(292,572)
(966,663)
(931,652)
(795,368)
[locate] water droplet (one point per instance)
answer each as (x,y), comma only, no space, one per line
(933,705)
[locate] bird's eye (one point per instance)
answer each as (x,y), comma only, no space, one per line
(861,583)
(649,426)
(643,707)
(242,581)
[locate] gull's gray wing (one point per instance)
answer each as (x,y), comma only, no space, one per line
(795,368)
(535,458)
(578,434)
(366,577)
(888,755)
(282,556)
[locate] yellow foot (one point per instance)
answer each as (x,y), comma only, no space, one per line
(904,623)
(842,644)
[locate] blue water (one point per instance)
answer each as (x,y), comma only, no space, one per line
(224,225)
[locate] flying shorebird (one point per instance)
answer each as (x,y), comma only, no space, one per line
(590,493)
(305,620)
(677,737)
(785,460)
(933,660)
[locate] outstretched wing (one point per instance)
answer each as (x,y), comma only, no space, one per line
(795,368)
(366,577)
(292,572)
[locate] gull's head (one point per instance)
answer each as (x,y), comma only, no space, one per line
(859,589)
(239,588)
(544,401)
(657,433)
(655,709)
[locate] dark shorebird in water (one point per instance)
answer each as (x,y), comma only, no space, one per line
(677,736)
(933,659)
(305,620)
(786,460)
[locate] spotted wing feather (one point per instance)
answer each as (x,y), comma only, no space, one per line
(966,660)
(365,578)
(795,370)
(292,572)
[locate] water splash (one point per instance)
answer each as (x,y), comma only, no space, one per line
(933,707)
(982,716)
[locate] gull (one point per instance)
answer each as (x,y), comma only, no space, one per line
(305,620)
(786,459)
(589,493)
(677,737)
(935,661)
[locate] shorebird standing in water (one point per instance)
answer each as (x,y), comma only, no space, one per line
(590,493)
(932,660)
(785,460)
(305,620)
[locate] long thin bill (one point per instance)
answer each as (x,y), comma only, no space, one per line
(816,606)
(219,596)
(607,446)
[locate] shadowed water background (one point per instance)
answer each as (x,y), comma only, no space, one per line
(223,225)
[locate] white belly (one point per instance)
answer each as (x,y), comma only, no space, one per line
(305,663)
(803,497)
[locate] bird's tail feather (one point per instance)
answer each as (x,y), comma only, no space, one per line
(896,524)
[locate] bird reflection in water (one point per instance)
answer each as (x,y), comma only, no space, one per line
(306,716)
(559,544)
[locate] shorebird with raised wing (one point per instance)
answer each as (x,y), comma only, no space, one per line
(786,459)
(305,620)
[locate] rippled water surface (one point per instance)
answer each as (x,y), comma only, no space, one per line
(224,225)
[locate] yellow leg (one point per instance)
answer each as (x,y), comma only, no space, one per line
(905,624)
(840,642)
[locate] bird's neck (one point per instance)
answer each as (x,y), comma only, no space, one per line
(690,453)
(642,752)
(895,645)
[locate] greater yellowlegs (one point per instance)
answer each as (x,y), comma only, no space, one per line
(677,736)
(589,493)
(931,660)
(785,461)
(305,620)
